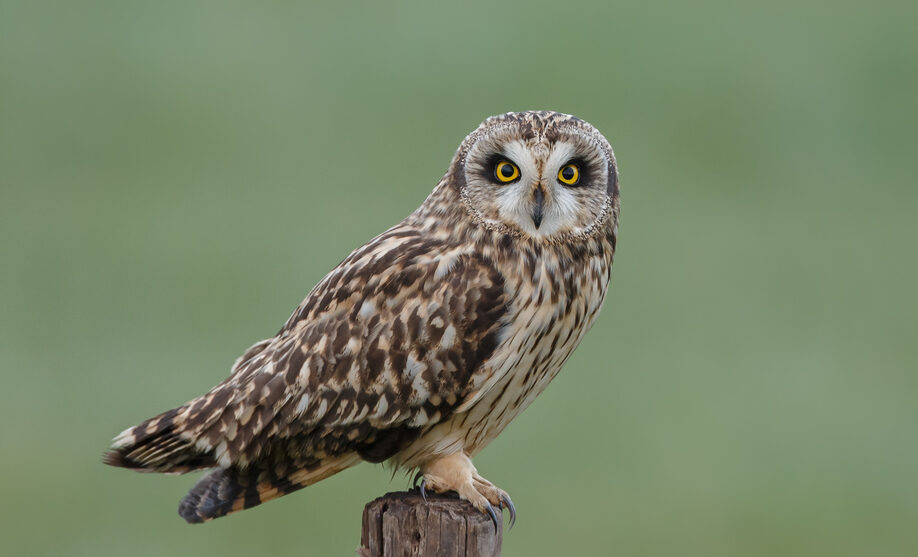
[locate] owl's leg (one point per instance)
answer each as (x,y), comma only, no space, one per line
(456,472)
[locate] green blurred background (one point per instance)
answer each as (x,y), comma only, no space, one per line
(175,176)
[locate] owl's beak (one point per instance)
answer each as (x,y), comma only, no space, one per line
(537,210)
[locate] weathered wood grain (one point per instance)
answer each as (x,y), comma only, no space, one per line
(402,524)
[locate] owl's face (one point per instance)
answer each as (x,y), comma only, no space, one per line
(542,175)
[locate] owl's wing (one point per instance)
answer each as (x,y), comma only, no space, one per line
(393,340)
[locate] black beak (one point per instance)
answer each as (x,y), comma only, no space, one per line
(537,211)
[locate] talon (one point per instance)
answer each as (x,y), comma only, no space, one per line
(414,482)
(505,500)
(493,514)
(423,491)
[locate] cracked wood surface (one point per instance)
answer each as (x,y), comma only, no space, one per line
(402,524)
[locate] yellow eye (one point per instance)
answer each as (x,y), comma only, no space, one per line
(569,174)
(506,171)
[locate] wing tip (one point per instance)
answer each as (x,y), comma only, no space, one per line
(114,458)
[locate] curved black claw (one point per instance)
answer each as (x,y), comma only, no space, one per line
(493,514)
(505,500)
(414,482)
(424,491)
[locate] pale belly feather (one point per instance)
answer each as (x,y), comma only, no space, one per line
(533,347)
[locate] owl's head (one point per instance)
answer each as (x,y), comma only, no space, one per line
(541,175)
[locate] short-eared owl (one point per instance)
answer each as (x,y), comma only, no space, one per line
(423,344)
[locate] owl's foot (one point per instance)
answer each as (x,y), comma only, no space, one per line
(457,473)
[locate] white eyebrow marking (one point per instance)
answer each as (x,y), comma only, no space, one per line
(518,152)
(561,153)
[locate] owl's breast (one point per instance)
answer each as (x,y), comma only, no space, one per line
(553,301)
(553,310)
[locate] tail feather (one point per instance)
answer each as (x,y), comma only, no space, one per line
(227,490)
(181,439)
(158,445)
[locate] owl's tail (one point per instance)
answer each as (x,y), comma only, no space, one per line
(228,490)
(185,438)
(167,443)
(161,444)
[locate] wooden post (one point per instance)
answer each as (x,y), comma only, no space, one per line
(402,524)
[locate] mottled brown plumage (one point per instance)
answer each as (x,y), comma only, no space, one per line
(422,345)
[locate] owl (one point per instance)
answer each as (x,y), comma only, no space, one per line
(422,345)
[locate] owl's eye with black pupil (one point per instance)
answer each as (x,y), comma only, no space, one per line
(569,174)
(506,171)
